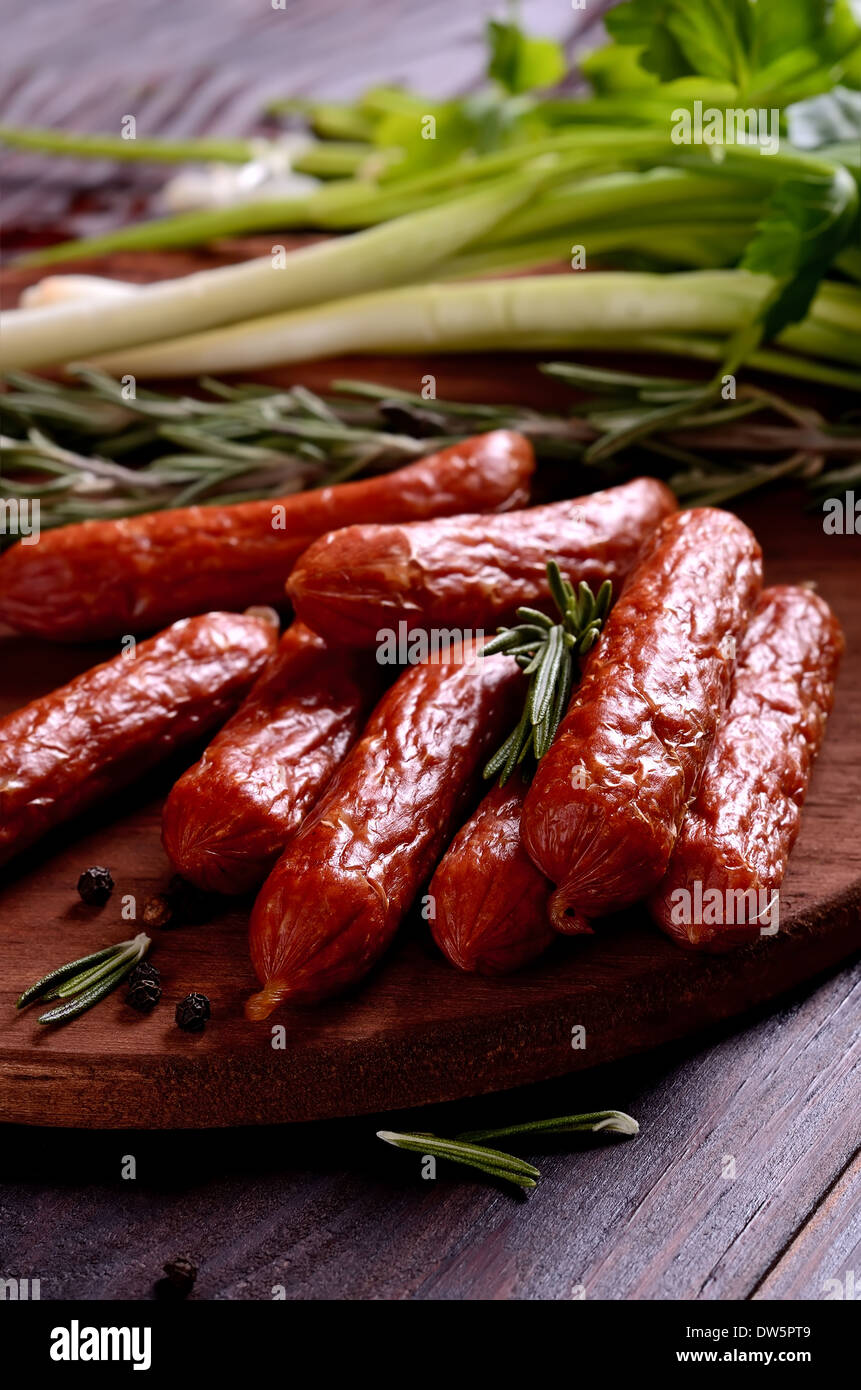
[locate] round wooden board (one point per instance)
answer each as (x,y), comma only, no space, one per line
(418,1031)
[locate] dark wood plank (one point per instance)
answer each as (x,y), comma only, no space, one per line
(824,1259)
(326,1211)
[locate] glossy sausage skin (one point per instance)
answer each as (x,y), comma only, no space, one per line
(608,798)
(335,898)
(469,571)
(739,832)
(91,737)
(230,816)
(109,578)
(489,901)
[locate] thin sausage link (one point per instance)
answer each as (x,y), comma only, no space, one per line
(338,893)
(488,900)
(230,816)
(107,578)
(91,737)
(470,571)
(733,849)
(608,798)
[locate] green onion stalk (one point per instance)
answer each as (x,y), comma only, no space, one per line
(394,253)
(329,159)
(615,311)
(376,193)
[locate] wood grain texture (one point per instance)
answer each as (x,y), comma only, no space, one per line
(327,1211)
(418,1031)
(826,1252)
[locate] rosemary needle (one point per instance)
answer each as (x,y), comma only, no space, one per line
(63,972)
(85,1000)
(490,1161)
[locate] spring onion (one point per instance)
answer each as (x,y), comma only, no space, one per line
(329,159)
(611,311)
(395,253)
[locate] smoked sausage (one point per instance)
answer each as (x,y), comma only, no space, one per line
(229,817)
(608,798)
(722,886)
(336,896)
(109,578)
(488,902)
(469,571)
(93,736)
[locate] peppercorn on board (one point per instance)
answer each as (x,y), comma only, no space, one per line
(417,1031)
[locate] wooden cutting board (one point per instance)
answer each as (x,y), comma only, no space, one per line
(418,1031)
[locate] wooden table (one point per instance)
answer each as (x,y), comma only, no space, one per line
(745,1181)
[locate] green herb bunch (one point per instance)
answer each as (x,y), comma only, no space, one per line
(547,652)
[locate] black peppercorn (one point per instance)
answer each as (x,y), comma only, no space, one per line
(95,886)
(189,904)
(157,911)
(144,987)
(192,1012)
(181,1273)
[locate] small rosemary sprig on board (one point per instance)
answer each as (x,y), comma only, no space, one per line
(470,1150)
(82,983)
(546,652)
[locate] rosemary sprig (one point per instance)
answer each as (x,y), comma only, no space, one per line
(90,451)
(490,1161)
(469,1149)
(82,983)
(546,652)
(87,452)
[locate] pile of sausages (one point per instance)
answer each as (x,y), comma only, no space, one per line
(338,795)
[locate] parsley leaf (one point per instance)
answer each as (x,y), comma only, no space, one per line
(808,221)
(521,64)
(771,51)
(780,26)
